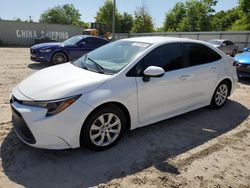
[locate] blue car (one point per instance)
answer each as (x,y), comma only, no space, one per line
(243,60)
(69,50)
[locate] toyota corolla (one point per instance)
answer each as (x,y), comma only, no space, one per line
(121,86)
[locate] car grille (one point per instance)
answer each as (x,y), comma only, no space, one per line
(20,125)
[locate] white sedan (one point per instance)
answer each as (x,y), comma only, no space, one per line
(121,86)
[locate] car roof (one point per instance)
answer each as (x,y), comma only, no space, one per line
(155,40)
(89,36)
(220,40)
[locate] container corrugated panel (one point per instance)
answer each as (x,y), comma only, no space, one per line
(24,33)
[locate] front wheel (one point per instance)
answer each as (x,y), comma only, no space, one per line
(59,57)
(220,95)
(103,128)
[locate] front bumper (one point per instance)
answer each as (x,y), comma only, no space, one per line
(60,131)
(36,56)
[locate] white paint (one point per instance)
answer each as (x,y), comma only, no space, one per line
(175,93)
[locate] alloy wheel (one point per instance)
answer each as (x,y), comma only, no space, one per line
(221,94)
(59,58)
(105,129)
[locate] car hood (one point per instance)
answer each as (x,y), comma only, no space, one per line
(59,82)
(243,58)
(47,45)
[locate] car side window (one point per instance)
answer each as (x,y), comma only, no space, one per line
(95,41)
(100,41)
(198,54)
(168,56)
(229,43)
(89,41)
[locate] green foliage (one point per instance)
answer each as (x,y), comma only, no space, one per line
(193,15)
(105,16)
(243,23)
(126,22)
(174,17)
(245,6)
(223,20)
(143,21)
(66,14)
(198,15)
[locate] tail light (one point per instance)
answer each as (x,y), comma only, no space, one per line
(235,64)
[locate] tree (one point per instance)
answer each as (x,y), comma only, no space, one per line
(193,15)
(126,23)
(245,7)
(174,17)
(243,23)
(66,14)
(143,21)
(223,20)
(105,15)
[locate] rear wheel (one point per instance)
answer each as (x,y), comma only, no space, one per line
(59,57)
(220,95)
(103,128)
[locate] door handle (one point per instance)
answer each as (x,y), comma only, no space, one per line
(184,77)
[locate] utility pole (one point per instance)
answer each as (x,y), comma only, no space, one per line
(113,22)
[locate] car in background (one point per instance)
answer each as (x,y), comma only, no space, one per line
(243,61)
(227,46)
(120,86)
(70,49)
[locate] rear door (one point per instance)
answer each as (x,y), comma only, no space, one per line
(203,65)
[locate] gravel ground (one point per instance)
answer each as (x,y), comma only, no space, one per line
(203,148)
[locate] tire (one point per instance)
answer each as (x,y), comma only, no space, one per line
(59,58)
(234,53)
(103,128)
(220,95)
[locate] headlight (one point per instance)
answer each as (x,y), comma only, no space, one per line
(53,107)
(45,50)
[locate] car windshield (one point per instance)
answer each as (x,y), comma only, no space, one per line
(111,58)
(215,42)
(73,40)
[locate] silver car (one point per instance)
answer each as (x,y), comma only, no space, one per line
(226,46)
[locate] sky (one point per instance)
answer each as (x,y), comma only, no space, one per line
(13,9)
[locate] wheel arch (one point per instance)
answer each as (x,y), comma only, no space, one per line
(229,81)
(111,103)
(57,51)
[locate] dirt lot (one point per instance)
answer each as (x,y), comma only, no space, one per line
(203,148)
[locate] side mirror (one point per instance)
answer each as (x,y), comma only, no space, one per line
(152,71)
(223,44)
(82,43)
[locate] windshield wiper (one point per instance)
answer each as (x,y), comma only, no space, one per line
(99,67)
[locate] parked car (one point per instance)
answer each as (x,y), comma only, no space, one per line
(243,60)
(120,86)
(68,50)
(226,46)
